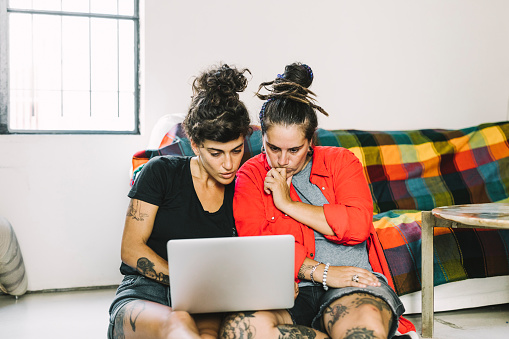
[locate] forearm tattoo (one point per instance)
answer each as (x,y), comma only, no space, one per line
(302,271)
(237,326)
(146,267)
(134,211)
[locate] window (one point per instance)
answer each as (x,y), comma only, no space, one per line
(69,66)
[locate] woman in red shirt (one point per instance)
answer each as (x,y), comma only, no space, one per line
(321,197)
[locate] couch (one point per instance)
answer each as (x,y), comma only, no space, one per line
(409,172)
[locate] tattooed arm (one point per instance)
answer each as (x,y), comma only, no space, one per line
(305,270)
(139,223)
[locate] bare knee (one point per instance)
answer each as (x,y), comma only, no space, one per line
(354,317)
(177,323)
(374,319)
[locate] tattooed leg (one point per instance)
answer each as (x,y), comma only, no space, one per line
(118,330)
(359,333)
(145,319)
(358,315)
(299,332)
(237,326)
(266,325)
(333,313)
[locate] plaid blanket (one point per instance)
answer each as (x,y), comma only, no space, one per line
(424,169)
(411,171)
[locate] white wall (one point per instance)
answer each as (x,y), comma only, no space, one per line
(391,64)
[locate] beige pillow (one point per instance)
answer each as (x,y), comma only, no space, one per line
(13,279)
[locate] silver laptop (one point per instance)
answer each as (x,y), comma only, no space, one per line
(232,274)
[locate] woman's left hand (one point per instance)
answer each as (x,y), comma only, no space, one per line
(343,276)
(277,184)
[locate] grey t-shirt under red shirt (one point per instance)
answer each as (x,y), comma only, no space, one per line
(327,251)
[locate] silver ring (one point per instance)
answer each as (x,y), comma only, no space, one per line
(355,278)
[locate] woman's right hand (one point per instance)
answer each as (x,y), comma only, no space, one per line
(277,184)
(343,276)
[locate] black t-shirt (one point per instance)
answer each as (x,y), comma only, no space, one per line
(166,181)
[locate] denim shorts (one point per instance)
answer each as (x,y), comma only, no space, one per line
(134,287)
(313,300)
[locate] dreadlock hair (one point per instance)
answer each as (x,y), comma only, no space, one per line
(289,101)
(216,113)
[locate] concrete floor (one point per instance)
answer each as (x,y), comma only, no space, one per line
(84,315)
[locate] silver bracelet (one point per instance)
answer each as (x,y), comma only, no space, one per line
(325,287)
(313,269)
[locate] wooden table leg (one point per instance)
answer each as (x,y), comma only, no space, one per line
(427,226)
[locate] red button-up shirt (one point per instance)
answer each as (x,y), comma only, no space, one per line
(339,174)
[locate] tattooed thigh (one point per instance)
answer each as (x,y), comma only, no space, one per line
(118,328)
(238,325)
(382,306)
(295,332)
(333,313)
(127,317)
(365,298)
(360,333)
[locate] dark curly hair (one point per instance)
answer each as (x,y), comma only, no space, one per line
(289,101)
(216,113)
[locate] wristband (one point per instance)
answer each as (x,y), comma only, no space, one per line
(325,287)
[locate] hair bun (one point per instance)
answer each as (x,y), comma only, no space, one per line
(292,85)
(221,84)
(298,73)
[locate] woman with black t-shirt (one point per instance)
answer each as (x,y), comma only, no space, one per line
(178,198)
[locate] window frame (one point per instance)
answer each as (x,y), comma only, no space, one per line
(4,69)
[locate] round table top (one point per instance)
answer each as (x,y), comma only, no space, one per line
(488,215)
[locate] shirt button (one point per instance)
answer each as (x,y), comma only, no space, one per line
(286,215)
(311,254)
(272,218)
(323,188)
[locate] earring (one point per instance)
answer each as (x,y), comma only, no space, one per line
(311,151)
(263,149)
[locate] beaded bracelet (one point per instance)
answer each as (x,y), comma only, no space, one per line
(325,287)
(313,269)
